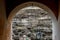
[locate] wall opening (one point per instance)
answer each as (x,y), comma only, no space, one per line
(32,21)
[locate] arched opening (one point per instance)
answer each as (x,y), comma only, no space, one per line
(32,21)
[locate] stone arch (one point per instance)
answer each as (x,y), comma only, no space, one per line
(51,13)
